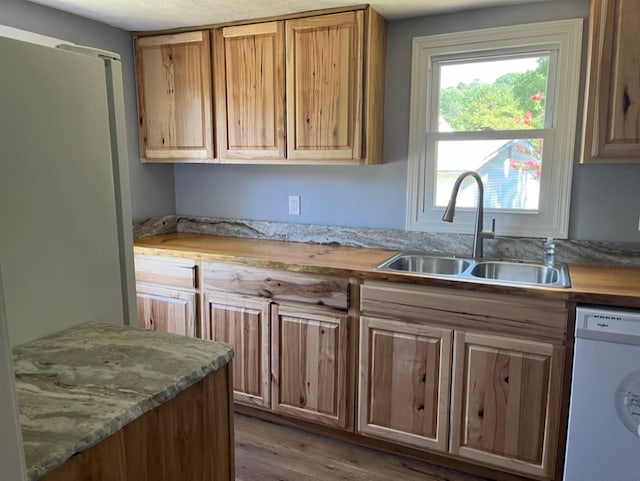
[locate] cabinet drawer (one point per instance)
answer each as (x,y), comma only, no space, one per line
(167,272)
(492,313)
(276,284)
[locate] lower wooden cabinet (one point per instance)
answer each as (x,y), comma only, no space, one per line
(290,334)
(474,377)
(505,398)
(167,310)
(244,323)
(166,294)
(501,358)
(404,382)
(309,357)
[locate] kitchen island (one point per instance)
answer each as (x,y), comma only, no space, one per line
(106,401)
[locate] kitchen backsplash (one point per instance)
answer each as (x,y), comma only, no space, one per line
(570,251)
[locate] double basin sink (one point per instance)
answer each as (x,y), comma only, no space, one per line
(505,272)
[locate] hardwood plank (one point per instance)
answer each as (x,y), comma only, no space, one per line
(277,285)
(270,452)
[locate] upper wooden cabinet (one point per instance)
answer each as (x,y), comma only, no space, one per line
(329,110)
(612,109)
(301,90)
(249,91)
(173,81)
(324,87)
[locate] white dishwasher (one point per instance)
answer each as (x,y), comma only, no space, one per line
(603,441)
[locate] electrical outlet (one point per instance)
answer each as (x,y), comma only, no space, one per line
(294,205)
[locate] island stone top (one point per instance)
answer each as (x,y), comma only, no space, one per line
(77,387)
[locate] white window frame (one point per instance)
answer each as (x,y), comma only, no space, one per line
(564,38)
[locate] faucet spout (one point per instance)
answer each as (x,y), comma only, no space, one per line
(478,234)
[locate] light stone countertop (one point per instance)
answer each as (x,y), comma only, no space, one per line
(77,387)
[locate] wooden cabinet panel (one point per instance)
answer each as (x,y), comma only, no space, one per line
(277,285)
(612,109)
(166,272)
(533,317)
(324,87)
(174,97)
(404,381)
(505,400)
(243,323)
(309,363)
(307,90)
(249,73)
(190,437)
(166,310)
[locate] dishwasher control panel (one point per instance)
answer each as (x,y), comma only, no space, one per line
(608,324)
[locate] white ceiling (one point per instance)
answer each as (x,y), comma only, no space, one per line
(141,15)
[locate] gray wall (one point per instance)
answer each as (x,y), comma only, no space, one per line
(152,186)
(605,203)
(605,199)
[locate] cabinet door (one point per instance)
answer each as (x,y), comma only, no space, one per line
(166,310)
(324,87)
(403,391)
(612,110)
(309,363)
(243,323)
(506,402)
(173,80)
(249,73)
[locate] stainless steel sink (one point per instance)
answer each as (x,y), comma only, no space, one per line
(492,271)
(522,273)
(425,264)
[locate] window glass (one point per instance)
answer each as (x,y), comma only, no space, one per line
(488,95)
(501,102)
(503,94)
(510,171)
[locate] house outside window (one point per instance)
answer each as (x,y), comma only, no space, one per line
(503,103)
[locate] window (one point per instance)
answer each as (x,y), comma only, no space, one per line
(503,103)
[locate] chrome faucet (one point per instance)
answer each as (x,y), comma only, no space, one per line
(478,234)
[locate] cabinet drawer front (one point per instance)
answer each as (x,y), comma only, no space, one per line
(498,313)
(275,284)
(180,273)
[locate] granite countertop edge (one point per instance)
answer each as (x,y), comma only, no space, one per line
(57,453)
(104,431)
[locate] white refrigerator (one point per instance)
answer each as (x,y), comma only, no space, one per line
(66,244)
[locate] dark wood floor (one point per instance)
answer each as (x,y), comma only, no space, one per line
(270,452)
